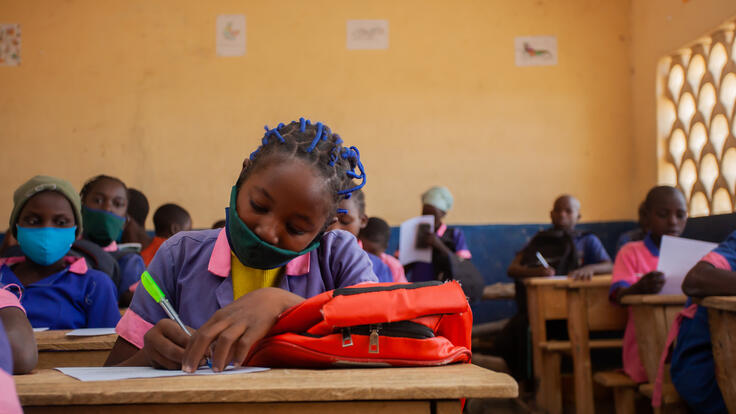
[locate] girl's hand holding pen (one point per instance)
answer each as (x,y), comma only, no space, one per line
(164,344)
(232,330)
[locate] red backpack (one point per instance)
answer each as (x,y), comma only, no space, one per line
(382,324)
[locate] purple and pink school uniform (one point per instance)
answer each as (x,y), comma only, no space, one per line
(634,260)
(75,297)
(193,270)
(455,240)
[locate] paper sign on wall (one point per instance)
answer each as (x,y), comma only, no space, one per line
(367,34)
(230,35)
(536,50)
(9,44)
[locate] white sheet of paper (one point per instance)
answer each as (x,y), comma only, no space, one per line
(676,257)
(40,329)
(120,373)
(91,332)
(408,252)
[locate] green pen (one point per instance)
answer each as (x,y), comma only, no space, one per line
(158,295)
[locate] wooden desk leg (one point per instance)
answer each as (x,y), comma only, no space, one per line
(552,384)
(577,325)
(539,334)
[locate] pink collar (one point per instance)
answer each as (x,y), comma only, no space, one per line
(220,259)
(76,264)
(112,247)
(441,231)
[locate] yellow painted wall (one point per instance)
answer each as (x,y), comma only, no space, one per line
(133,88)
(660,27)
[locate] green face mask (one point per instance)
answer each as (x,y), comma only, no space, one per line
(250,249)
(100,226)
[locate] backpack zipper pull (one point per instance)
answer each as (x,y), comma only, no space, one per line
(373,339)
(347,339)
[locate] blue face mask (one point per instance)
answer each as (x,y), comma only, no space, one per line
(45,245)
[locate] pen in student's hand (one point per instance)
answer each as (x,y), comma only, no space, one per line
(541,260)
(158,295)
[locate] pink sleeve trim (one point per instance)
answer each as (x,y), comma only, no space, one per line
(8,299)
(8,397)
(717,260)
(132,328)
(464,254)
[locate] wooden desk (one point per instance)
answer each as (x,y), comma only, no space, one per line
(546,300)
(722,321)
(653,317)
(589,309)
(55,349)
(370,390)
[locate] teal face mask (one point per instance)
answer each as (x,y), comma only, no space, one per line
(102,227)
(46,245)
(250,249)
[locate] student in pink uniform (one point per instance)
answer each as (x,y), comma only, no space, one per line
(275,243)
(634,271)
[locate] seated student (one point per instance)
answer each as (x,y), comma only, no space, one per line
(231,284)
(135,227)
(635,270)
(58,291)
(351,218)
(104,211)
(634,234)
(693,368)
(19,333)
(590,257)
(168,220)
(374,238)
(445,241)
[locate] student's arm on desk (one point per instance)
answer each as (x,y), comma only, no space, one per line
(704,279)
(163,348)
(649,284)
(587,272)
(519,271)
(21,338)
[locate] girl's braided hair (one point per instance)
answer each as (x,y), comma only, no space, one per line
(316,145)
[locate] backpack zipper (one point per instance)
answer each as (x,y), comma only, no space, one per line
(401,329)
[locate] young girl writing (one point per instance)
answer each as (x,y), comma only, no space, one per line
(57,291)
(352,218)
(231,284)
(104,211)
(634,271)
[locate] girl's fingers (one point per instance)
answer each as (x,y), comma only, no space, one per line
(224,346)
(244,344)
(200,342)
(160,361)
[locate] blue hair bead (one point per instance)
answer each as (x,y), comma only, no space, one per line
(302,125)
(342,211)
(317,137)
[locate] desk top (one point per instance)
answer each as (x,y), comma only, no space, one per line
(58,341)
(654,300)
(565,282)
(50,387)
(727,303)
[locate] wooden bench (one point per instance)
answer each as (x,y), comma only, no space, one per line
(55,349)
(722,321)
(624,390)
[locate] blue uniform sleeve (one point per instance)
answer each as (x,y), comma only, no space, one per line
(593,250)
(101,301)
(381,270)
(131,268)
(727,249)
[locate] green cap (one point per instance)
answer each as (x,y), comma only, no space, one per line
(39,184)
(151,287)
